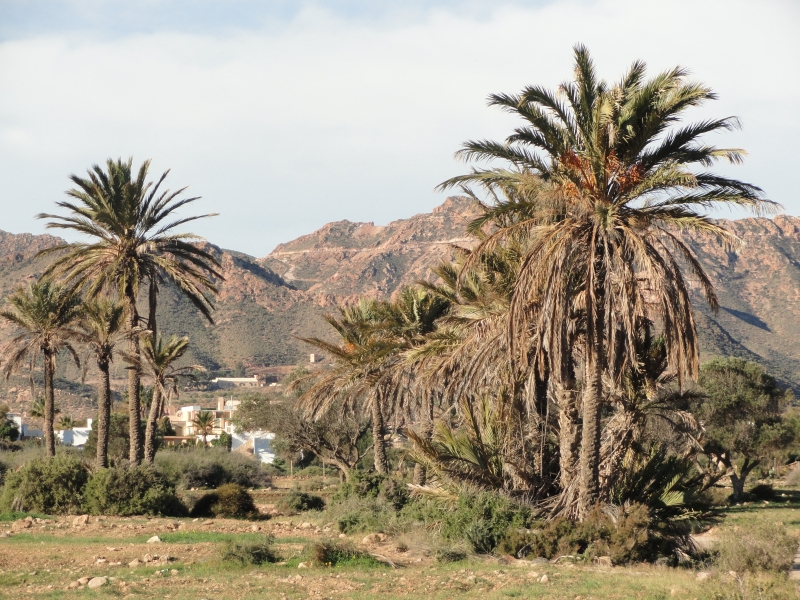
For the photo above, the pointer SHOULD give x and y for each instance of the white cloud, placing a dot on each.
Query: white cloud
(286, 127)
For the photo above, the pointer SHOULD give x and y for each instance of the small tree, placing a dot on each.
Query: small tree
(204, 424)
(333, 437)
(8, 428)
(742, 413)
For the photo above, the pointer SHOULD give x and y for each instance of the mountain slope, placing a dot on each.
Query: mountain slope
(265, 304)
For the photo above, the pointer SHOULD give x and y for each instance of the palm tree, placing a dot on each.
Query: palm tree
(602, 180)
(48, 315)
(204, 424)
(103, 327)
(159, 358)
(37, 408)
(66, 422)
(131, 225)
(360, 371)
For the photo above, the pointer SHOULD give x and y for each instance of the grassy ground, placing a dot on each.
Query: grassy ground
(42, 561)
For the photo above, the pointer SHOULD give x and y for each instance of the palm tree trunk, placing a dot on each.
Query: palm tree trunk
(378, 443)
(150, 433)
(136, 451)
(568, 433)
(153, 301)
(590, 436)
(420, 473)
(104, 415)
(49, 403)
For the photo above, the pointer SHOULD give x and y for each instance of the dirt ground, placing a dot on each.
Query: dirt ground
(57, 557)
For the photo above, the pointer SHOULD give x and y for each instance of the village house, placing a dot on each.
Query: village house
(235, 382)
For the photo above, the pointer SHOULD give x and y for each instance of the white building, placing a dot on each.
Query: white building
(77, 436)
(232, 382)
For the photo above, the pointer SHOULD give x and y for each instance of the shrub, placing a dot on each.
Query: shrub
(296, 501)
(756, 548)
(395, 492)
(256, 553)
(339, 554)
(625, 539)
(131, 491)
(444, 555)
(46, 485)
(360, 485)
(356, 515)
(763, 491)
(229, 500)
(748, 587)
(211, 468)
(483, 519)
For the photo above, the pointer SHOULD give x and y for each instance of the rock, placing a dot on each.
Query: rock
(303, 565)
(84, 580)
(374, 538)
(181, 526)
(29, 519)
(342, 536)
(605, 561)
(21, 524)
(209, 522)
(3, 535)
(100, 561)
(148, 558)
(703, 575)
(135, 563)
(154, 540)
(173, 571)
(73, 585)
(255, 527)
(534, 575)
(97, 582)
(544, 579)
(305, 525)
(80, 520)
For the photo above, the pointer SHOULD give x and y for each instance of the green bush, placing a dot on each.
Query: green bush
(444, 555)
(360, 485)
(46, 485)
(131, 491)
(756, 548)
(395, 492)
(229, 500)
(355, 515)
(625, 538)
(763, 491)
(296, 501)
(256, 553)
(339, 554)
(210, 468)
(483, 519)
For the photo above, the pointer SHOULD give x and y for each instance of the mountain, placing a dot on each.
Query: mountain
(266, 303)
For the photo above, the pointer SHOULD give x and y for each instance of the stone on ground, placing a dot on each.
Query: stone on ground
(97, 582)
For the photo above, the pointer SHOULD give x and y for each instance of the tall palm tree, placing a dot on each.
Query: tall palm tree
(360, 371)
(48, 315)
(131, 226)
(159, 358)
(604, 178)
(204, 424)
(104, 326)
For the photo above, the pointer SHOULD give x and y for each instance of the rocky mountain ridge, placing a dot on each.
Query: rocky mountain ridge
(266, 303)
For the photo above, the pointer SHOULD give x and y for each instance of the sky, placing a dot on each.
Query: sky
(286, 115)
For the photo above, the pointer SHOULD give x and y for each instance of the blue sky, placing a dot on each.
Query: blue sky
(286, 115)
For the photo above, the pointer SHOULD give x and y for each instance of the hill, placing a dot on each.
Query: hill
(266, 303)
